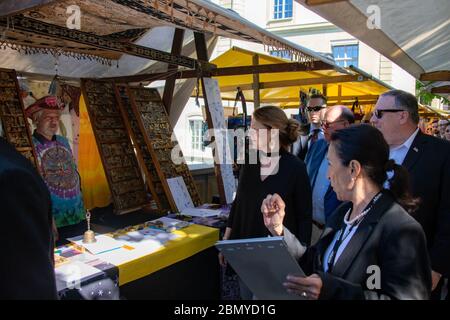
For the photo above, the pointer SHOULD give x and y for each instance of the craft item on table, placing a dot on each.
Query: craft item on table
(103, 244)
(60, 260)
(89, 235)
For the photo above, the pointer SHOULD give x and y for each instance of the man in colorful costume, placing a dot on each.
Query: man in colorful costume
(56, 162)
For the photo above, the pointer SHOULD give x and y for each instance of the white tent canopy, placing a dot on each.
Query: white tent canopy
(415, 34)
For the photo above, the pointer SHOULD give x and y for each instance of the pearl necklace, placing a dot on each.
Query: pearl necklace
(362, 214)
(351, 222)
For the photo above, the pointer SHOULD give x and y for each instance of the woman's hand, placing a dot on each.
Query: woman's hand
(273, 212)
(306, 287)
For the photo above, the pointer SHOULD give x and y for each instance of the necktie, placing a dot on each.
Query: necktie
(314, 136)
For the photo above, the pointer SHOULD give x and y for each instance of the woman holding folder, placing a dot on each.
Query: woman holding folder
(371, 248)
(272, 170)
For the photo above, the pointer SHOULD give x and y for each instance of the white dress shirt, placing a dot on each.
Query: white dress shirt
(398, 154)
(348, 234)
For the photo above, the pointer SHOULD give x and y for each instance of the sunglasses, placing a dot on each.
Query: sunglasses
(379, 113)
(315, 109)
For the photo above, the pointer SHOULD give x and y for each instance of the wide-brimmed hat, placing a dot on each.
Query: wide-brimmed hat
(48, 102)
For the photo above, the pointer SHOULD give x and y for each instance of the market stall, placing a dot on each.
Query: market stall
(93, 66)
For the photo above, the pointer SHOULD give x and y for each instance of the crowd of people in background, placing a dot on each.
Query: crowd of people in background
(344, 196)
(378, 196)
(439, 128)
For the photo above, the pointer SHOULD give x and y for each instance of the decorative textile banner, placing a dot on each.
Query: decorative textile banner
(96, 192)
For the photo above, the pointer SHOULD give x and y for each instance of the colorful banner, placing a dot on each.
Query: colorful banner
(94, 186)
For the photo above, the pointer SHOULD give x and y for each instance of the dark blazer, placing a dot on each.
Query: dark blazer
(428, 163)
(313, 160)
(26, 270)
(388, 237)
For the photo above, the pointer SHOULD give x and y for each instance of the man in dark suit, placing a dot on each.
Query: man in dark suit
(311, 132)
(26, 271)
(324, 198)
(427, 160)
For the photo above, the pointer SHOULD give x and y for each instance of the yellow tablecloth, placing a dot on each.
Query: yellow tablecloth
(192, 240)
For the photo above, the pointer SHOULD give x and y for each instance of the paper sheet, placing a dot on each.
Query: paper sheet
(198, 212)
(180, 193)
(221, 137)
(104, 244)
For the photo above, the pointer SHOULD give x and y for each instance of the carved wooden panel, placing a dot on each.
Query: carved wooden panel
(115, 148)
(14, 122)
(154, 121)
(143, 154)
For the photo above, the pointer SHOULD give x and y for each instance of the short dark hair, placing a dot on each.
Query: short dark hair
(406, 100)
(318, 96)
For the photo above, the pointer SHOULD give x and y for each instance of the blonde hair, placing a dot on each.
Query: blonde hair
(274, 118)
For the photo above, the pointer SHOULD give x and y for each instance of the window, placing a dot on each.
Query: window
(196, 130)
(285, 54)
(282, 9)
(345, 56)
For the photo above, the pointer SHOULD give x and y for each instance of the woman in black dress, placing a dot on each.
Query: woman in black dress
(273, 170)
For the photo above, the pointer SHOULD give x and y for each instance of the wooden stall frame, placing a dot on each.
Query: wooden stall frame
(153, 153)
(27, 127)
(140, 157)
(110, 182)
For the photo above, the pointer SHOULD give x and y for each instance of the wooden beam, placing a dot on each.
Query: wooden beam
(443, 75)
(286, 100)
(256, 84)
(269, 68)
(202, 53)
(324, 89)
(360, 97)
(293, 99)
(177, 46)
(309, 81)
(339, 94)
(33, 26)
(233, 88)
(12, 7)
(295, 83)
(333, 99)
(200, 46)
(229, 71)
(441, 89)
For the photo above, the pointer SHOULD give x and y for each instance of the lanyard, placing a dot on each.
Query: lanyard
(343, 235)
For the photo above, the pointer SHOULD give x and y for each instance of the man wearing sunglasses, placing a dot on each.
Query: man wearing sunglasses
(316, 107)
(427, 160)
(324, 199)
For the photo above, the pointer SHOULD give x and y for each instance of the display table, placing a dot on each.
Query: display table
(131, 263)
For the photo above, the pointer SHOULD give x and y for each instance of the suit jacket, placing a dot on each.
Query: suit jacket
(428, 164)
(26, 271)
(388, 237)
(300, 147)
(313, 160)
